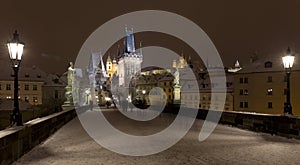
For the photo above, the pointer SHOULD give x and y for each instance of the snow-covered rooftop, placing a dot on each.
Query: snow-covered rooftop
(25, 73)
(54, 80)
(269, 63)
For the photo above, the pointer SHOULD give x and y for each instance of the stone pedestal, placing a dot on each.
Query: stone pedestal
(176, 94)
(68, 104)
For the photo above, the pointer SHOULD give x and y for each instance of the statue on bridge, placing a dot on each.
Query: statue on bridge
(69, 87)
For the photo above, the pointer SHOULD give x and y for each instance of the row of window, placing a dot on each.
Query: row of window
(8, 87)
(243, 91)
(246, 105)
(27, 75)
(165, 83)
(190, 97)
(244, 80)
(170, 97)
(34, 99)
(228, 84)
(269, 91)
(170, 90)
(26, 98)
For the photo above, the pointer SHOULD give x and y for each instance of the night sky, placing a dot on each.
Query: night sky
(54, 31)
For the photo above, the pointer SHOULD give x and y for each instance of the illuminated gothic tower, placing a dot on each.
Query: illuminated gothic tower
(130, 61)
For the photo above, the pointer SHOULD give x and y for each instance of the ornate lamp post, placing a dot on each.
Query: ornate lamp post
(288, 61)
(15, 49)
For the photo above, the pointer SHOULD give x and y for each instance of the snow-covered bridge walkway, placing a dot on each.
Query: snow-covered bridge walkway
(227, 145)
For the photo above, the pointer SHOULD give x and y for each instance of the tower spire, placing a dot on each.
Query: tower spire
(129, 42)
(237, 64)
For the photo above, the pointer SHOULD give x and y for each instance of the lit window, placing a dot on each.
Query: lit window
(35, 99)
(26, 99)
(270, 91)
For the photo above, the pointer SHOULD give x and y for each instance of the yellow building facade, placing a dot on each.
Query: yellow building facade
(203, 99)
(30, 92)
(148, 80)
(265, 92)
(34, 85)
(261, 87)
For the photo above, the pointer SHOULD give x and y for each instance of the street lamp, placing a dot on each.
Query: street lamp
(288, 61)
(15, 49)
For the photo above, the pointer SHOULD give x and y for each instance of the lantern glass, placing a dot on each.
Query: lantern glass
(15, 50)
(288, 61)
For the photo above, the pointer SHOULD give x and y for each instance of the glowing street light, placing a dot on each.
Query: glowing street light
(288, 61)
(15, 49)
